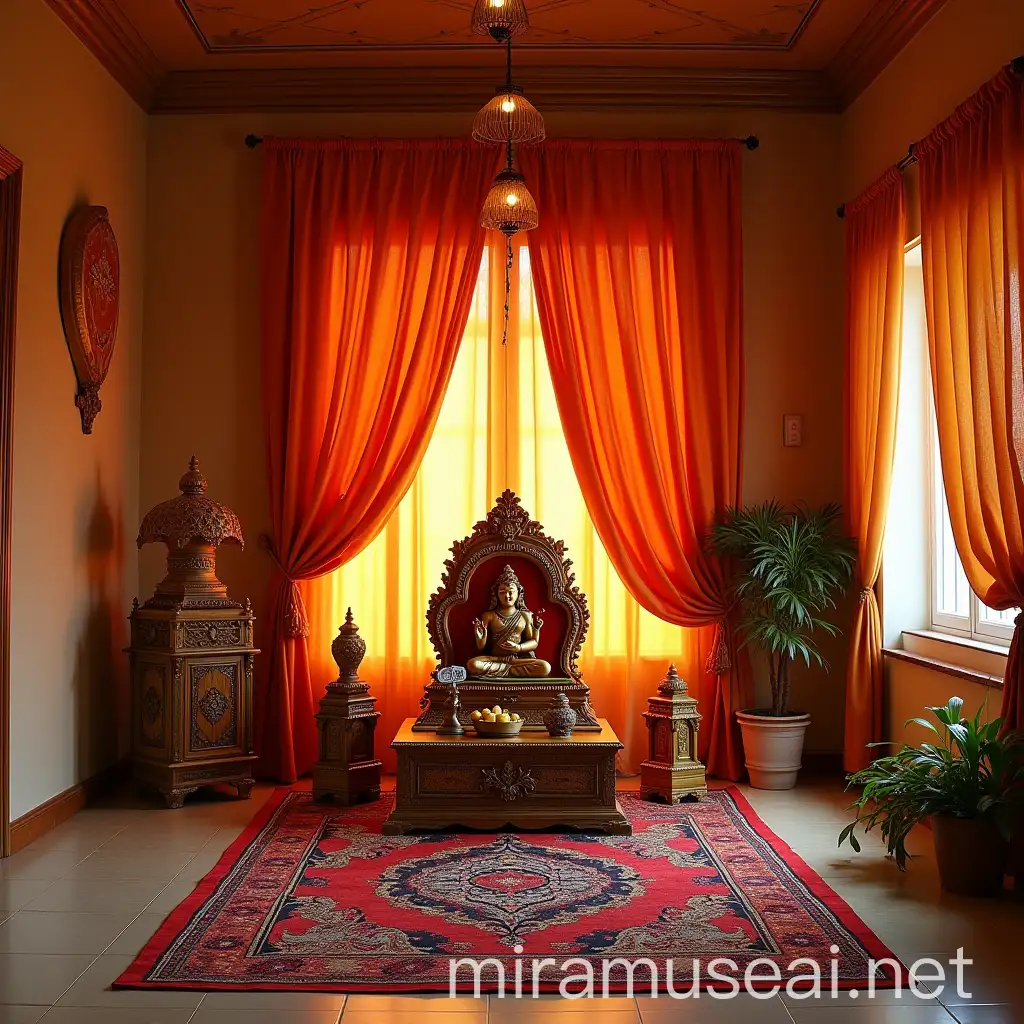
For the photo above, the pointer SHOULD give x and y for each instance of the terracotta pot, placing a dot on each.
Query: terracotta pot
(772, 747)
(971, 854)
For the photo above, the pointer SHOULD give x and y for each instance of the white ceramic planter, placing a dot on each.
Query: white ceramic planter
(772, 748)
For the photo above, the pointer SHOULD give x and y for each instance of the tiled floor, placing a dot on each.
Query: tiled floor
(79, 904)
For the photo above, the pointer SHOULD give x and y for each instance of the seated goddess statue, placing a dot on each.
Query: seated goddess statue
(508, 634)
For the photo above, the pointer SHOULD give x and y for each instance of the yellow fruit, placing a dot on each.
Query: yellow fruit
(476, 716)
(514, 717)
(488, 716)
(505, 717)
(496, 709)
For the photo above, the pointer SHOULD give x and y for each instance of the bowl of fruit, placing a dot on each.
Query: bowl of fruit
(496, 722)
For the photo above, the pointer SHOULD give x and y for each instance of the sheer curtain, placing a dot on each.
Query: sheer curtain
(498, 427)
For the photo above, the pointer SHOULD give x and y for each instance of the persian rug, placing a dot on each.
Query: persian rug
(313, 898)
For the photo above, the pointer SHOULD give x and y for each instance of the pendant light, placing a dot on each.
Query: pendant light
(510, 119)
(509, 116)
(500, 19)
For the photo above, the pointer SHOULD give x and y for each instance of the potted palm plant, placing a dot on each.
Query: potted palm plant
(969, 783)
(790, 566)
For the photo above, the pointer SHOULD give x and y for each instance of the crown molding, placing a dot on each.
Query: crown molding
(884, 32)
(103, 28)
(431, 89)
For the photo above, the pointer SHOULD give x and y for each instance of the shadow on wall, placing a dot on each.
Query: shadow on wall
(100, 680)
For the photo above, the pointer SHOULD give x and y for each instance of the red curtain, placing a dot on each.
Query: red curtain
(637, 266)
(875, 226)
(972, 236)
(370, 254)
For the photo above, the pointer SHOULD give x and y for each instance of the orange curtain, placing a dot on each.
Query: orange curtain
(875, 227)
(972, 231)
(370, 252)
(637, 266)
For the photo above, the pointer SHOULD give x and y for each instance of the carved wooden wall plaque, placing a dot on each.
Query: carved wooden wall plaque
(90, 284)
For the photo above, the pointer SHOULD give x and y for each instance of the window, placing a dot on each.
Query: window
(498, 427)
(955, 608)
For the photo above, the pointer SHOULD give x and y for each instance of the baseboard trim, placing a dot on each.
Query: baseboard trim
(822, 763)
(47, 816)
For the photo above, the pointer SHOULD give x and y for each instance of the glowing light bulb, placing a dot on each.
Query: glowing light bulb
(511, 199)
(508, 105)
(497, 3)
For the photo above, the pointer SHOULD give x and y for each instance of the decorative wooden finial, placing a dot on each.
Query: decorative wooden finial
(348, 649)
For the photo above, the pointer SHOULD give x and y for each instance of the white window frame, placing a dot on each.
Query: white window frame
(972, 626)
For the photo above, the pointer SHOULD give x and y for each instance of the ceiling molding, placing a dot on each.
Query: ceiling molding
(876, 41)
(432, 89)
(113, 40)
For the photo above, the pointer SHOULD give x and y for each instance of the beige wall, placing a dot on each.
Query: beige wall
(201, 375)
(959, 50)
(74, 568)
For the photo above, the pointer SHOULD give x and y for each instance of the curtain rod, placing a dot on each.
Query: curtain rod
(751, 141)
(1016, 66)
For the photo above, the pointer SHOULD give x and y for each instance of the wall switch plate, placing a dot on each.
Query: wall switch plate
(792, 431)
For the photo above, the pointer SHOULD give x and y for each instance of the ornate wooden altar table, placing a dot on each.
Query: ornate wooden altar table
(533, 781)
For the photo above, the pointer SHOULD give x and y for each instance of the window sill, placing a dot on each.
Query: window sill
(945, 667)
(1001, 650)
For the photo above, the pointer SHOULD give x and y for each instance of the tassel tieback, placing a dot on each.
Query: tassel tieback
(296, 621)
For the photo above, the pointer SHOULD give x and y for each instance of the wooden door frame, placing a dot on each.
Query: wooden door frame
(10, 223)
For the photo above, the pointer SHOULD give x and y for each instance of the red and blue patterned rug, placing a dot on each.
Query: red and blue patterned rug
(313, 898)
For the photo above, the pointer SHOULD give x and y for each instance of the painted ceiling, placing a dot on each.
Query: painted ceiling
(183, 34)
(299, 24)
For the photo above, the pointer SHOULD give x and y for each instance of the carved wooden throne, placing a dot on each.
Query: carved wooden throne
(508, 536)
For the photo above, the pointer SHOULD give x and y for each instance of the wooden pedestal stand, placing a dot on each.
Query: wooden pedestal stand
(347, 770)
(672, 770)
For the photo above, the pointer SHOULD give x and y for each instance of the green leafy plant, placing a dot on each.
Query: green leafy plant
(790, 566)
(971, 772)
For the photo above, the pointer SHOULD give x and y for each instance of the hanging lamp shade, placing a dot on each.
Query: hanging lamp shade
(500, 19)
(509, 207)
(509, 117)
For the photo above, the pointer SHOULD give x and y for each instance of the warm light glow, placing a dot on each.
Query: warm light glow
(508, 105)
(511, 199)
(497, 3)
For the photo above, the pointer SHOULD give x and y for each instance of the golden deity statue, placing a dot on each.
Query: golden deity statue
(508, 634)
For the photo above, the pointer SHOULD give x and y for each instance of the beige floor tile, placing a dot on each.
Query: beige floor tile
(93, 989)
(37, 932)
(171, 895)
(30, 978)
(202, 1016)
(15, 893)
(511, 1009)
(133, 939)
(999, 1013)
(872, 1015)
(21, 1014)
(109, 1015)
(707, 1010)
(92, 896)
(102, 866)
(419, 1004)
(411, 1017)
(272, 1001)
(48, 865)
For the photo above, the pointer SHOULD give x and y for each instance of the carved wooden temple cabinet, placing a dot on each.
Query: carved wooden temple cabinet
(347, 770)
(672, 771)
(191, 656)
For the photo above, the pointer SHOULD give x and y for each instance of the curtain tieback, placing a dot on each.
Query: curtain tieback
(865, 593)
(296, 621)
(719, 660)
